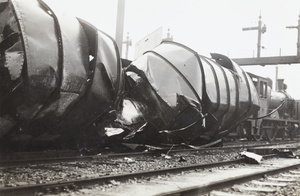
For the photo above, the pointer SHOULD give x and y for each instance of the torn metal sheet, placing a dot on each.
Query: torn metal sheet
(251, 157)
(14, 60)
(54, 75)
(188, 98)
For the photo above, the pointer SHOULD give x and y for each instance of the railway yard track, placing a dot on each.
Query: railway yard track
(175, 172)
(19, 159)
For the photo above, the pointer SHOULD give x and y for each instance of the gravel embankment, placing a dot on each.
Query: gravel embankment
(37, 174)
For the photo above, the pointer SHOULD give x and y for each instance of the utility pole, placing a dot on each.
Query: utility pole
(128, 43)
(120, 24)
(260, 30)
(298, 28)
(276, 78)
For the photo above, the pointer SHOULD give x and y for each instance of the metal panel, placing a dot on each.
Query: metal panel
(186, 61)
(148, 43)
(69, 77)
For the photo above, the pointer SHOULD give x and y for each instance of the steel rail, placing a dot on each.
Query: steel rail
(61, 185)
(22, 162)
(32, 189)
(197, 190)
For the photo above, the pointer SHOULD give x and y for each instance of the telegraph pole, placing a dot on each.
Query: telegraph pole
(128, 43)
(120, 24)
(275, 60)
(298, 28)
(260, 31)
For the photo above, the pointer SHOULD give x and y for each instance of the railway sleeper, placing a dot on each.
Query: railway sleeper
(57, 188)
(268, 185)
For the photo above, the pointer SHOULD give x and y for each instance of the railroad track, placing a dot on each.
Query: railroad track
(245, 183)
(61, 185)
(207, 187)
(268, 185)
(14, 160)
(114, 179)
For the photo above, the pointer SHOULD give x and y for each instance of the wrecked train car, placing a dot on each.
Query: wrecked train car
(188, 98)
(60, 77)
(58, 74)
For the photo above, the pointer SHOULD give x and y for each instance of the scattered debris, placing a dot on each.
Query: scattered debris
(113, 131)
(114, 183)
(251, 157)
(166, 156)
(285, 153)
(129, 160)
(182, 159)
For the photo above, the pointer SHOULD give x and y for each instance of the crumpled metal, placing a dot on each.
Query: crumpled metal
(60, 76)
(188, 98)
(58, 73)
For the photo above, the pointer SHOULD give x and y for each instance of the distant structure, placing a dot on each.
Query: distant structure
(298, 28)
(128, 43)
(274, 60)
(260, 31)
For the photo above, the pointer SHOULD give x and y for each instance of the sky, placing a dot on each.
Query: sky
(207, 26)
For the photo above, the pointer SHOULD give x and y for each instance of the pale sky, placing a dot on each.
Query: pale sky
(207, 26)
